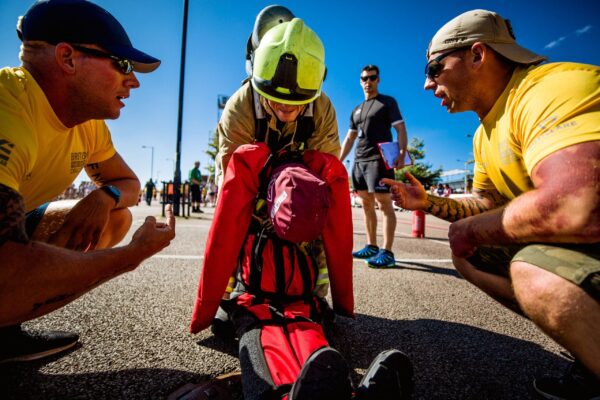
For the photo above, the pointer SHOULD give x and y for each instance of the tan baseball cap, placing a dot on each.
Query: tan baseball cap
(482, 26)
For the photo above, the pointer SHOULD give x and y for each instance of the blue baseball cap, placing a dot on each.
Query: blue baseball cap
(81, 22)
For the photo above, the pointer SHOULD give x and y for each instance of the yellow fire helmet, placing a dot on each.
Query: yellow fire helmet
(289, 64)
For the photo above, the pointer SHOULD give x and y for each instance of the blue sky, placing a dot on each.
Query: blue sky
(392, 34)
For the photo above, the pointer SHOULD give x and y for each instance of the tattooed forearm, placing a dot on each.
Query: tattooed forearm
(12, 216)
(94, 173)
(454, 209)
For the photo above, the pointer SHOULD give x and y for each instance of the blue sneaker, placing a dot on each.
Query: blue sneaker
(383, 259)
(366, 252)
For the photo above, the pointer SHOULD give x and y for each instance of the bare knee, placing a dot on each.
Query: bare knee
(462, 267)
(118, 226)
(384, 200)
(53, 218)
(120, 220)
(543, 296)
(368, 200)
(465, 269)
(387, 209)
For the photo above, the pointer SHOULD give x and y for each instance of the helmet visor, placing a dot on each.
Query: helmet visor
(284, 87)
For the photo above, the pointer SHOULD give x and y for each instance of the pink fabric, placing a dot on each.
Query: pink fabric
(297, 202)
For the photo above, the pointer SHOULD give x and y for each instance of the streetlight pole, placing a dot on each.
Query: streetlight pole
(177, 177)
(151, 161)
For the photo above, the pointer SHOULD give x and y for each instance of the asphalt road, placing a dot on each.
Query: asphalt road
(135, 342)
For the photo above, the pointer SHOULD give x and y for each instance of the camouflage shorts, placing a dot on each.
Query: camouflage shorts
(579, 264)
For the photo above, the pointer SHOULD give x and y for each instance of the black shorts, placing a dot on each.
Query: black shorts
(195, 189)
(33, 218)
(367, 174)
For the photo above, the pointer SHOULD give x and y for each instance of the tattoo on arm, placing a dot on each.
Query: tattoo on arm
(454, 209)
(12, 216)
(94, 173)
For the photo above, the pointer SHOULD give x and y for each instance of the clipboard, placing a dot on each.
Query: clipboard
(389, 152)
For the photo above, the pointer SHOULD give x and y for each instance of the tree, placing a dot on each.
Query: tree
(213, 149)
(423, 172)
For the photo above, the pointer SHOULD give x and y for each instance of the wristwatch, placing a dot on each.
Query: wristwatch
(112, 192)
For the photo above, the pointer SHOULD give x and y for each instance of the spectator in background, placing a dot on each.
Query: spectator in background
(447, 190)
(204, 193)
(149, 189)
(469, 188)
(440, 190)
(212, 189)
(195, 178)
(371, 123)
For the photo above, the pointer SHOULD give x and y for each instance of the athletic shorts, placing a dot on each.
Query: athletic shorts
(33, 218)
(367, 174)
(195, 189)
(579, 264)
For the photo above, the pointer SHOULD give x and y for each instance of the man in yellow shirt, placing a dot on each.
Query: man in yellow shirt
(77, 68)
(529, 236)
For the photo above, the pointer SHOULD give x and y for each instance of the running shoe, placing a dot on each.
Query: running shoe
(366, 252)
(383, 259)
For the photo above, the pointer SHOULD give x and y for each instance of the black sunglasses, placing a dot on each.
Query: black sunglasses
(371, 78)
(123, 64)
(433, 69)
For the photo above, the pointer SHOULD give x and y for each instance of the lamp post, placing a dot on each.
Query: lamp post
(177, 173)
(151, 161)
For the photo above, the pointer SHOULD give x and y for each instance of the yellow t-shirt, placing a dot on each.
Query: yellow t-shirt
(542, 110)
(39, 156)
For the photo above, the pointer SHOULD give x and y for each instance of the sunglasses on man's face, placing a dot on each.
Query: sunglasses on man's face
(371, 78)
(433, 69)
(124, 65)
